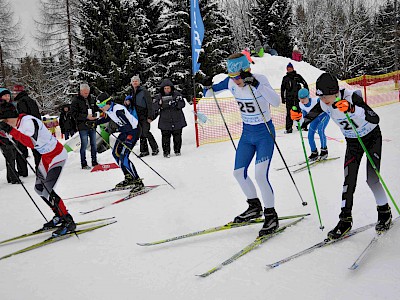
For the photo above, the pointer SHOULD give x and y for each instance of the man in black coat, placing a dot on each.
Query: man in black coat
(292, 82)
(83, 110)
(25, 105)
(143, 104)
(7, 147)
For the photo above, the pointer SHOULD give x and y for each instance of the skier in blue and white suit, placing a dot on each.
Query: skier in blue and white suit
(318, 124)
(255, 138)
(129, 133)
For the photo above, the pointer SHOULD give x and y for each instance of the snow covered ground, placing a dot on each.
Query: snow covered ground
(107, 263)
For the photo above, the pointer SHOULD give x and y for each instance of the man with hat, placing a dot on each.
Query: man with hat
(31, 132)
(26, 105)
(337, 103)
(254, 95)
(292, 82)
(142, 102)
(6, 146)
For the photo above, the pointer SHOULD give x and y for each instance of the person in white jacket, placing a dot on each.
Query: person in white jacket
(253, 94)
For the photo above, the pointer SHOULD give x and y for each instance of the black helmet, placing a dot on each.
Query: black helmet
(8, 110)
(327, 84)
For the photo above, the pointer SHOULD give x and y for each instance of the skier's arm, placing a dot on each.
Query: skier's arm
(266, 90)
(313, 113)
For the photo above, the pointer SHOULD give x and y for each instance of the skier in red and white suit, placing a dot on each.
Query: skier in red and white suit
(31, 132)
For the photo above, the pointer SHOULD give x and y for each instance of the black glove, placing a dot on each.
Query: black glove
(173, 103)
(5, 127)
(283, 101)
(207, 82)
(248, 78)
(304, 127)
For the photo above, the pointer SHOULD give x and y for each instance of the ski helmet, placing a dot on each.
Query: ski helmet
(327, 84)
(8, 110)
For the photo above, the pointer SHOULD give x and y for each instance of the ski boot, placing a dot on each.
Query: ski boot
(52, 223)
(271, 222)
(137, 187)
(314, 156)
(128, 181)
(324, 153)
(384, 218)
(253, 212)
(343, 227)
(68, 225)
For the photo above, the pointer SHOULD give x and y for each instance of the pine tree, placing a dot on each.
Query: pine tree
(385, 40)
(109, 49)
(217, 39)
(147, 15)
(175, 46)
(271, 21)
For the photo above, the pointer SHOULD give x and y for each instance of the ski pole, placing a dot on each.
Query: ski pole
(304, 203)
(223, 119)
(22, 184)
(309, 172)
(123, 144)
(370, 160)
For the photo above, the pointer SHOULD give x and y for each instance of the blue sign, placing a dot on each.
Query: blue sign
(197, 33)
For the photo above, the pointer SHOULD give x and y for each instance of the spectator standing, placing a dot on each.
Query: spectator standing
(83, 110)
(172, 120)
(6, 146)
(26, 105)
(296, 54)
(67, 122)
(143, 104)
(292, 82)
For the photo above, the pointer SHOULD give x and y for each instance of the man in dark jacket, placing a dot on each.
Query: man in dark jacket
(292, 82)
(25, 105)
(83, 110)
(67, 122)
(6, 146)
(143, 104)
(172, 120)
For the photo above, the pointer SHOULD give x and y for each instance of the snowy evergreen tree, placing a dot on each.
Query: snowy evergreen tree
(175, 46)
(217, 38)
(385, 38)
(271, 21)
(109, 50)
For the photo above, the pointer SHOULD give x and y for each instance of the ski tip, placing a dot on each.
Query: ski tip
(354, 267)
(143, 244)
(272, 266)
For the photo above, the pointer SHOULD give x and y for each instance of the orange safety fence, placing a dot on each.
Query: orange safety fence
(210, 126)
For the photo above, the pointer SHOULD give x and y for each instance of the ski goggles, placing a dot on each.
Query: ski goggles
(102, 103)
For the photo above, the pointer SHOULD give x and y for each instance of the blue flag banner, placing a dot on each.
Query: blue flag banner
(197, 33)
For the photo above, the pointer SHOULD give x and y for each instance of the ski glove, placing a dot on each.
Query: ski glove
(207, 82)
(295, 116)
(5, 127)
(345, 106)
(248, 78)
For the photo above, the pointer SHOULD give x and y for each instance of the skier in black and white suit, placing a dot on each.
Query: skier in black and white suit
(336, 103)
